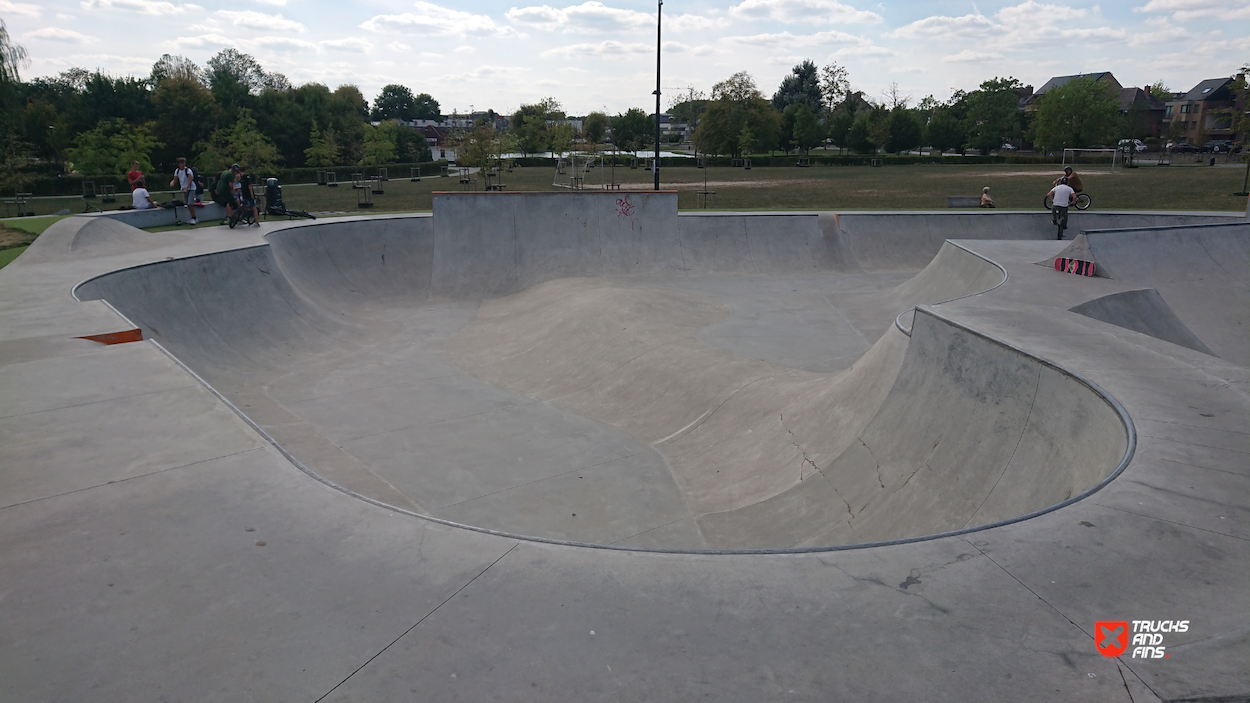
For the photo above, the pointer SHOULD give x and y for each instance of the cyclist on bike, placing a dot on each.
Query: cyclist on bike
(1062, 196)
(1073, 180)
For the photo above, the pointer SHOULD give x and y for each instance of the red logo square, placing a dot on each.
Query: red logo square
(1111, 637)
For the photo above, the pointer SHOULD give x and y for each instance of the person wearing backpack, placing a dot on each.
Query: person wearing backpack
(185, 183)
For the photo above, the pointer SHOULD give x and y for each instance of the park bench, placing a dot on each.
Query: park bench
(963, 201)
(20, 200)
(803, 163)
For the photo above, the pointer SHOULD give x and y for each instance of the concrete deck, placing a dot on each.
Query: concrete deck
(232, 510)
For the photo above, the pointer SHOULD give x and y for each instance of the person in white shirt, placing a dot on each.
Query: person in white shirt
(185, 182)
(141, 198)
(1062, 195)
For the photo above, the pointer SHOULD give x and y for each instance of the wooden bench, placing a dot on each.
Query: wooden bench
(20, 200)
(963, 201)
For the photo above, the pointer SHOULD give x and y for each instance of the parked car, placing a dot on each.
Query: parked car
(1218, 146)
(1008, 147)
(1184, 148)
(1136, 145)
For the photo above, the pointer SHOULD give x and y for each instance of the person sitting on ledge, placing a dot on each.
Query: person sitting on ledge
(986, 200)
(141, 198)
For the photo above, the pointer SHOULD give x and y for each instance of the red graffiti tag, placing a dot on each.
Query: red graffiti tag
(624, 208)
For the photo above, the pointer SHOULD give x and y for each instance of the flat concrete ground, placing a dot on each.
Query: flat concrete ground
(154, 543)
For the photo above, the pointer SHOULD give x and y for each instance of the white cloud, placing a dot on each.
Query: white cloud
(1188, 10)
(199, 41)
(59, 34)
(603, 48)
(464, 50)
(592, 17)
(802, 11)
(939, 26)
(354, 45)
(867, 51)
(440, 21)
(143, 7)
(282, 44)
(1014, 29)
(691, 23)
(398, 47)
(786, 39)
(19, 8)
(261, 20)
(970, 56)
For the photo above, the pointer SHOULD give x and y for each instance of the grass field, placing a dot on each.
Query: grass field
(915, 187)
(16, 235)
(919, 187)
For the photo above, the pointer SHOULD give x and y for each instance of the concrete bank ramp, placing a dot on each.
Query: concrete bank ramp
(1202, 271)
(85, 237)
(940, 431)
(1142, 311)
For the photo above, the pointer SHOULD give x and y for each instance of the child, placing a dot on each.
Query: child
(986, 200)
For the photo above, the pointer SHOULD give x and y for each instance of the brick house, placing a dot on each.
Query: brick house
(1143, 113)
(1202, 114)
(1029, 102)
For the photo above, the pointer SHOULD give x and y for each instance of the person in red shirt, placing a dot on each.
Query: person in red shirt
(133, 176)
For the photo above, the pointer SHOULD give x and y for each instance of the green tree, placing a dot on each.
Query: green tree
(111, 146)
(185, 114)
(808, 130)
(839, 124)
(395, 102)
(324, 150)
(425, 107)
(234, 78)
(906, 131)
(993, 114)
(596, 127)
(1077, 114)
(174, 66)
(12, 59)
(379, 145)
(632, 130)
(240, 143)
(801, 87)
(945, 131)
(835, 84)
(528, 125)
(737, 104)
(858, 135)
(480, 146)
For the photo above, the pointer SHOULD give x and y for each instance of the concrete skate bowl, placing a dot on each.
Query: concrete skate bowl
(587, 369)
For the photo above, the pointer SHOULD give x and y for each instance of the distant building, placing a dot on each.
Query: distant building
(1143, 113)
(1203, 114)
(1029, 102)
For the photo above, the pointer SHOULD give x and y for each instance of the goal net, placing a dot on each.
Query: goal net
(1092, 158)
(579, 171)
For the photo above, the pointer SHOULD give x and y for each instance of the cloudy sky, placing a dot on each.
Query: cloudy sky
(601, 55)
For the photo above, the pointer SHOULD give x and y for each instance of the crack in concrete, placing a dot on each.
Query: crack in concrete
(850, 513)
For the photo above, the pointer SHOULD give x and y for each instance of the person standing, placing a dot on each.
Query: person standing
(1062, 196)
(224, 194)
(185, 182)
(134, 175)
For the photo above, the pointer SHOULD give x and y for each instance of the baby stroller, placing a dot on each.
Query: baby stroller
(274, 205)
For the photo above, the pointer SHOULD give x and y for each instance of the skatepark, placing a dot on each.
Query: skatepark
(579, 446)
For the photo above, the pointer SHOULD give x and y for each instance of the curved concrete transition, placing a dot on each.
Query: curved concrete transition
(577, 446)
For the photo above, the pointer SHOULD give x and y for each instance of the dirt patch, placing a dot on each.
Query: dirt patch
(10, 238)
(666, 185)
(1032, 174)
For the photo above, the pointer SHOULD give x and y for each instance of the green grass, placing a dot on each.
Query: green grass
(31, 225)
(8, 255)
(918, 187)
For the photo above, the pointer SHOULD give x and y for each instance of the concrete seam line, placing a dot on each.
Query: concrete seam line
(898, 320)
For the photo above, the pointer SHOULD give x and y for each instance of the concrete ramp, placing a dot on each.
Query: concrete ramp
(534, 365)
(1142, 311)
(86, 237)
(1203, 271)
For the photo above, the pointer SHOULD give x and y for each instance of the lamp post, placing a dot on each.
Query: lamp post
(656, 166)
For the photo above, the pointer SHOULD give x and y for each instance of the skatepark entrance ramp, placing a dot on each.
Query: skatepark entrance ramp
(593, 368)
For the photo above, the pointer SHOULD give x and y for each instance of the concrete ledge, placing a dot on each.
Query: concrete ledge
(161, 217)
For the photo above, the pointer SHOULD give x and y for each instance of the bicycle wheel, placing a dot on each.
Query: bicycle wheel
(234, 219)
(1082, 201)
(1047, 202)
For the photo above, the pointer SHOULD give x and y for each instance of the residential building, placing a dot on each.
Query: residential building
(1143, 112)
(1204, 113)
(1029, 102)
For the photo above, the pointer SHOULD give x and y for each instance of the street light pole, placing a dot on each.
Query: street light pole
(656, 167)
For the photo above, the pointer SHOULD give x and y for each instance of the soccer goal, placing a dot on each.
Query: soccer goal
(579, 171)
(1092, 158)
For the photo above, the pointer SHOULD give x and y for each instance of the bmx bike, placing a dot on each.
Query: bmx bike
(242, 215)
(1082, 201)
